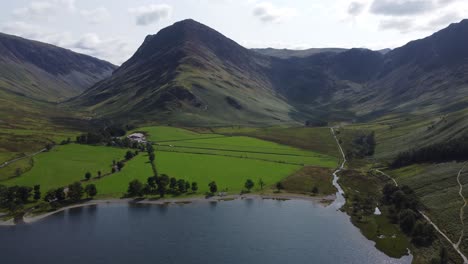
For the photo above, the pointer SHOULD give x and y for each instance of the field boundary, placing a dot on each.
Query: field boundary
(6, 163)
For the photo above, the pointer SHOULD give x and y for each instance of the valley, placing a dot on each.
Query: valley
(375, 140)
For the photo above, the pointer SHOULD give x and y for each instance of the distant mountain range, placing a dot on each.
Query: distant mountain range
(191, 74)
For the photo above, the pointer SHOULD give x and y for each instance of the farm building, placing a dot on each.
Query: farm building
(138, 137)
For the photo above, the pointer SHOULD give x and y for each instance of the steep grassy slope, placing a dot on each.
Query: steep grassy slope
(192, 75)
(288, 53)
(42, 71)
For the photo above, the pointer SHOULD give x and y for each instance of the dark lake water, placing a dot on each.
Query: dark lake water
(240, 231)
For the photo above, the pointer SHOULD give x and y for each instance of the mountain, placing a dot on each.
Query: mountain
(45, 72)
(424, 76)
(190, 74)
(288, 53)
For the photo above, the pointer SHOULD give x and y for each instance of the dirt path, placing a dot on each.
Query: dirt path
(17, 159)
(454, 245)
(462, 209)
(388, 176)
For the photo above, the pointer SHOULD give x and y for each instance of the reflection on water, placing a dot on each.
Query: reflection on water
(240, 231)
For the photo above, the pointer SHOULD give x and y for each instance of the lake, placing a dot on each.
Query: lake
(239, 231)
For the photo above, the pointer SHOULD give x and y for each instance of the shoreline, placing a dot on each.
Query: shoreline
(30, 219)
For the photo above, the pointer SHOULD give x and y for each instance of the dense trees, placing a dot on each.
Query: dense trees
(363, 145)
(75, 191)
(129, 155)
(135, 189)
(161, 185)
(91, 190)
(14, 197)
(403, 209)
(455, 149)
(37, 192)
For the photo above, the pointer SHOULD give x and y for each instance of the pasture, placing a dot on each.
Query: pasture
(181, 153)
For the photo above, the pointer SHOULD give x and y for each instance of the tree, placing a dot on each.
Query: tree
(23, 193)
(187, 186)
(407, 220)
(315, 190)
(249, 184)
(120, 165)
(181, 185)
(151, 181)
(88, 176)
(162, 183)
(194, 187)
(91, 190)
(279, 186)
(151, 157)
(75, 191)
(135, 188)
(99, 173)
(213, 187)
(60, 194)
(261, 183)
(149, 148)
(113, 170)
(50, 196)
(37, 192)
(173, 183)
(129, 155)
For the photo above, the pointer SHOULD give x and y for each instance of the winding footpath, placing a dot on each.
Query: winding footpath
(462, 209)
(454, 245)
(6, 163)
(340, 200)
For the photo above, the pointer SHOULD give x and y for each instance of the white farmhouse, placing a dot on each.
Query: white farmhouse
(138, 137)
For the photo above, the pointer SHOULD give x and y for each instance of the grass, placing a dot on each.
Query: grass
(229, 173)
(304, 180)
(317, 139)
(229, 161)
(116, 185)
(166, 133)
(66, 164)
(387, 236)
(437, 188)
(251, 148)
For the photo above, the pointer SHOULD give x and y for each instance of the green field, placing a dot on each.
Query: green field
(183, 154)
(66, 164)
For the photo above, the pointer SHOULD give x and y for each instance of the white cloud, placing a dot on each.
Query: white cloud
(267, 12)
(96, 16)
(146, 15)
(356, 8)
(402, 25)
(38, 10)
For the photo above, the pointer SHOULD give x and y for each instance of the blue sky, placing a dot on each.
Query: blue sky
(113, 29)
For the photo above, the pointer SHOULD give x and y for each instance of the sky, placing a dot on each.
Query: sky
(113, 29)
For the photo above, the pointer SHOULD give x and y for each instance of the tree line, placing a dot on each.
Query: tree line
(15, 197)
(362, 145)
(452, 150)
(404, 211)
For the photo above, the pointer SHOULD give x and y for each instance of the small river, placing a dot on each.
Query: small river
(239, 231)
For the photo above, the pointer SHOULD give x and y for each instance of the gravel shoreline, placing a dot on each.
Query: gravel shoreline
(28, 219)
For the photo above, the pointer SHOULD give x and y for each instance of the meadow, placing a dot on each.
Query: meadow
(181, 153)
